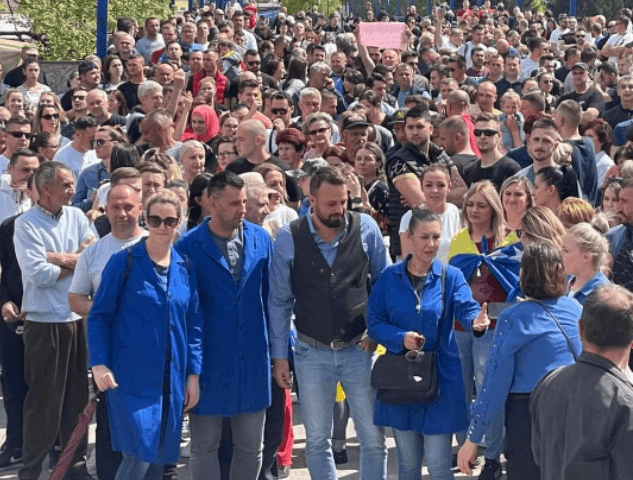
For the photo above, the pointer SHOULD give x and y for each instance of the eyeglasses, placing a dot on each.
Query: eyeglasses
(319, 131)
(279, 111)
(19, 134)
(488, 132)
(50, 116)
(99, 143)
(226, 154)
(155, 221)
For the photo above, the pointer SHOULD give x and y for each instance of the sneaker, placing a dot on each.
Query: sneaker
(491, 470)
(340, 457)
(10, 456)
(283, 471)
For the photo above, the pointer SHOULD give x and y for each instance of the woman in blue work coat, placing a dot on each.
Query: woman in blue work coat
(145, 340)
(405, 312)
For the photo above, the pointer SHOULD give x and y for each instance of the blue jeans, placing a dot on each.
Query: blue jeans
(474, 353)
(413, 447)
(318, 371)
(133, 469)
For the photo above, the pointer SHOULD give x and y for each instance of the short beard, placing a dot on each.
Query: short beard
(328, 222)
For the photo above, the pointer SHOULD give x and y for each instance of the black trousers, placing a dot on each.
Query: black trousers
(55, 368)
(518, 451)
(108, 460)
(14, 386)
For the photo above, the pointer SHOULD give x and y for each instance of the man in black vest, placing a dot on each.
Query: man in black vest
(339, 254)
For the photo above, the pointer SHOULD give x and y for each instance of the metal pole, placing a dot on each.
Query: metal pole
(102, 28)
(572, 7)
(429, 6)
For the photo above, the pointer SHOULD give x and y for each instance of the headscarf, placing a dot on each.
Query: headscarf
(210, 120)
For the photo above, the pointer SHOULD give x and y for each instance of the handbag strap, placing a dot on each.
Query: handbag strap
(569, 344)
(440, 320)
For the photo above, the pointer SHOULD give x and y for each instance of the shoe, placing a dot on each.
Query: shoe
(491, 470)
(53, 457)
(340, 457)
(10, 456)
(283, 471)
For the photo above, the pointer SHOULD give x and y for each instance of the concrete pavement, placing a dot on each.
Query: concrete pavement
(299, 471)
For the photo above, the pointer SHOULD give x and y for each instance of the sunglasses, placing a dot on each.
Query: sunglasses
(488, 132)
(99, 143)
(279, 111)
(50, 116)
(19, 134)
(155, 221)
(318, 131)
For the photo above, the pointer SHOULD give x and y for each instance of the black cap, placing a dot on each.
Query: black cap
(354, 121)
(85, 67)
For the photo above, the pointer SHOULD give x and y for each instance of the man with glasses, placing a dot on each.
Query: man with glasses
(616, 43)
(253, 63)
(493, 164)
(17, 134)
(79, 154)
(281, 110)
(80, 109)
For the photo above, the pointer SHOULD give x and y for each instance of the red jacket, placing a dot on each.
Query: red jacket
(220, 84)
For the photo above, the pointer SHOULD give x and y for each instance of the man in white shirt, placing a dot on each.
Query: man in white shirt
(13, 186)
(529, 64)
(123, 209)
(79, 154)
(615, 44)
(467, 48)
(152, 40)
(17, 133)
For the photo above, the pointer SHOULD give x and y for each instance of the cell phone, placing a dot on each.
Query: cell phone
(495, 309)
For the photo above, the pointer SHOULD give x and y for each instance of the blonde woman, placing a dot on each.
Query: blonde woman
(584, 253)
(516, 198)
(489, 261)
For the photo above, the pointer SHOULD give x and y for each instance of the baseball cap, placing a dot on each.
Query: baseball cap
(354, 121)
(582, 65)
(308, 168)
(398, 116)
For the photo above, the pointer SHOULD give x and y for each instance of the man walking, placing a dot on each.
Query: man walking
(321, 269)
(231, 258)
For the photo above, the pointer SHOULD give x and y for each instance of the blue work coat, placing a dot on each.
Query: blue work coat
(134, 327)
(393, 311)
(236, 372)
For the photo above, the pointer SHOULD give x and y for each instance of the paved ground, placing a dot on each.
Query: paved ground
(298, 472)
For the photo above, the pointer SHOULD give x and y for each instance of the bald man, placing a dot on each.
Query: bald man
(97, 103)
(123, 209)
(251, 148)
(458, 103)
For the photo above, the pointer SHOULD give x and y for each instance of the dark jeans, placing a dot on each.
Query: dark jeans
(518, 451)
(14, 386)
(55, 369)
(273, 433)
(108, 460)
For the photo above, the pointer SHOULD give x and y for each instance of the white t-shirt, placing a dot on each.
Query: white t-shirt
(282, 216)
(4, 163)
(618, 41)
(603, 164)
(527, 67)
(92, 261)
(451, 221)
(76, 160)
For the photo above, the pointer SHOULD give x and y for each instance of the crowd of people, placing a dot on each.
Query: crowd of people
(228, 208)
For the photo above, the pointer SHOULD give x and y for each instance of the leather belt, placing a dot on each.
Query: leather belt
(336, 344)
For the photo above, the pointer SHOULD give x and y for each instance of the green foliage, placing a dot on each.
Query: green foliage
(71, 25)
(325, 6)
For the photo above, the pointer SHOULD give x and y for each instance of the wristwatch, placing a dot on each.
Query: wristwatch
(357, 200)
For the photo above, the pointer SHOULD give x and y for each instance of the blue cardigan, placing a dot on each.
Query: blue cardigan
(236, 371)
(134, 327)
(392, 312)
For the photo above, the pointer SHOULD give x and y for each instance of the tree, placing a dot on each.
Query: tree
(325, 6)
(70, 25)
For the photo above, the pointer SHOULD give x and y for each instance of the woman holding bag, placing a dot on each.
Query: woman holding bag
(406, 313)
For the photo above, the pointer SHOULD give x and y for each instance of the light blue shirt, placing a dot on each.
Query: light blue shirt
(37, 232)
(281, 296)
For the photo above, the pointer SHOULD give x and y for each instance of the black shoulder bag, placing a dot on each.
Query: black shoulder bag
(411, 378)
